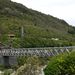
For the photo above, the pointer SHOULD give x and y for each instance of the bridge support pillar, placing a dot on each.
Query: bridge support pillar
(8, 61)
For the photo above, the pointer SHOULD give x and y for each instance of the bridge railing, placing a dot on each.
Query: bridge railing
(47, 51)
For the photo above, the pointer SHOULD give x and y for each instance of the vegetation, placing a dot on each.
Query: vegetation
(61, 65)
(39, 28)
(2, 67)
(31, 60)
(8, 72)
(30, 65)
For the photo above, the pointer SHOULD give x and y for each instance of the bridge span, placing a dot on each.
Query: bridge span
(47, 51)
(8, 56)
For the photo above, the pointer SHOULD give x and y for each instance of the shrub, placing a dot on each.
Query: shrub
(8, 72)
(61, 65)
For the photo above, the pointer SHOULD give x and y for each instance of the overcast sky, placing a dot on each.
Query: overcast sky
(63, 9)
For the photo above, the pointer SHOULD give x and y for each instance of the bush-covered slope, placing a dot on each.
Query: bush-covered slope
(61, 65)
(39, 28)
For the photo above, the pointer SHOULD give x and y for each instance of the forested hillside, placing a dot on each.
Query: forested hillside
(40, 29)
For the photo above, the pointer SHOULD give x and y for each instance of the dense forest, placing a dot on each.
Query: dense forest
(39, 29)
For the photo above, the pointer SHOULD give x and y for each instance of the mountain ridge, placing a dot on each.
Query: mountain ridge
(39, 28)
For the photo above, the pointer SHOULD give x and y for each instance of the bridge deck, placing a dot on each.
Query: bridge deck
(48, 51)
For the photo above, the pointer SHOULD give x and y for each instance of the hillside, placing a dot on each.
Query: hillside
(39, 29)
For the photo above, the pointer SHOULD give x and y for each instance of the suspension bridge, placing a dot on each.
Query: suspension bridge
(47, 51)
(8, 55)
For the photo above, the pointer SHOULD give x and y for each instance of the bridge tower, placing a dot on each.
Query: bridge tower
(22, 35)
(7, 61)
(4, 60)
(22, 31)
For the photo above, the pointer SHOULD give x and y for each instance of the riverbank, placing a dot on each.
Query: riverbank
(23, 70)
